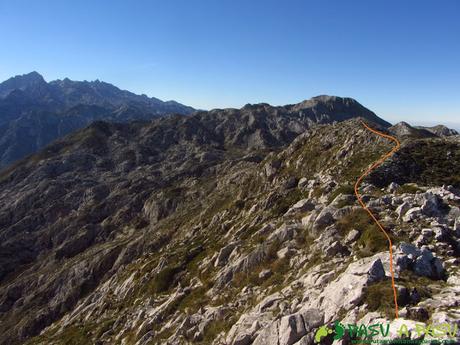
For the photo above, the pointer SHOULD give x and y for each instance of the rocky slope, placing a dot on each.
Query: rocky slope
(225, 227)
(33, 112)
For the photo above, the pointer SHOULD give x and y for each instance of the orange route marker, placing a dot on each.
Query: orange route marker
(358, 196)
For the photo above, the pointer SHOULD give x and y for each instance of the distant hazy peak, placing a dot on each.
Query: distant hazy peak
(33, 112)
(343, 107)
(21, 82)
(403, 129)
(31, 76)
(440, 130)
(326, 100)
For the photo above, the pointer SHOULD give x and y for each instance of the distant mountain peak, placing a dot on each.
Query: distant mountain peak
(29, 78)
(326, 98)
(343, 107)
(402, 129)
(66, 93)
(34, 74)
(21, 82)
(439, 130)
(31, 75)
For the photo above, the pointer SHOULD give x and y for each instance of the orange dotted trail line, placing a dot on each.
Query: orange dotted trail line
(358, 196)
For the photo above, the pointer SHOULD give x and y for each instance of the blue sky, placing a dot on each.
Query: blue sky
(399, 58)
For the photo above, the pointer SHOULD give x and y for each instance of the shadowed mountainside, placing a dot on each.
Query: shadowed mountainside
(33, 112)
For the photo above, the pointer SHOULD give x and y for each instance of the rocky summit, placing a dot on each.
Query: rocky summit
(229, 227)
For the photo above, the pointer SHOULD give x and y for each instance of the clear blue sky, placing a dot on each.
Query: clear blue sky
(399, 58)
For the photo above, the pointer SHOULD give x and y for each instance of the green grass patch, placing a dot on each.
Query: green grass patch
(379, 297)
(194, 300)
(422, 284)
(164, 279)
(183, 259)
(372, 240)
(72, 335)
(284, 202)
(217, 327)
(409, 188)
(346, 189)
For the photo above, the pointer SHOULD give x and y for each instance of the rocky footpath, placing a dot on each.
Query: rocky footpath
(192, 236)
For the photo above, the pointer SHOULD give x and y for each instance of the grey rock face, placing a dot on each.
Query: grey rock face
(284, 233)
(303, 205)
(224, 253)
(269, 335)
(243, 264)
(348, 289)
(393, 187)
(431, 204)
(312, 318)
(271, 168)
(324, 219)
(285, 253)
(412, 214)
(264, 274)
(336, 248)
(291, 329)
(421, 261)
(243, 339)
(352, 236)
(269, 301)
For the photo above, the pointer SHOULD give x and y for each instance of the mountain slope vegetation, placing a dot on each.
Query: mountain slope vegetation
(219, 228)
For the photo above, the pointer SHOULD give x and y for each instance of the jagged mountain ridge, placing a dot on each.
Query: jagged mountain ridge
(66, 93)
(157, 154)
(33, 112)
(119, 213)
(440, 130)
(206, 205)
(31, 81)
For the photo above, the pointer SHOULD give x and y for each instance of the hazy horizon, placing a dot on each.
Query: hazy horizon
(450, 124)
(399, 59)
